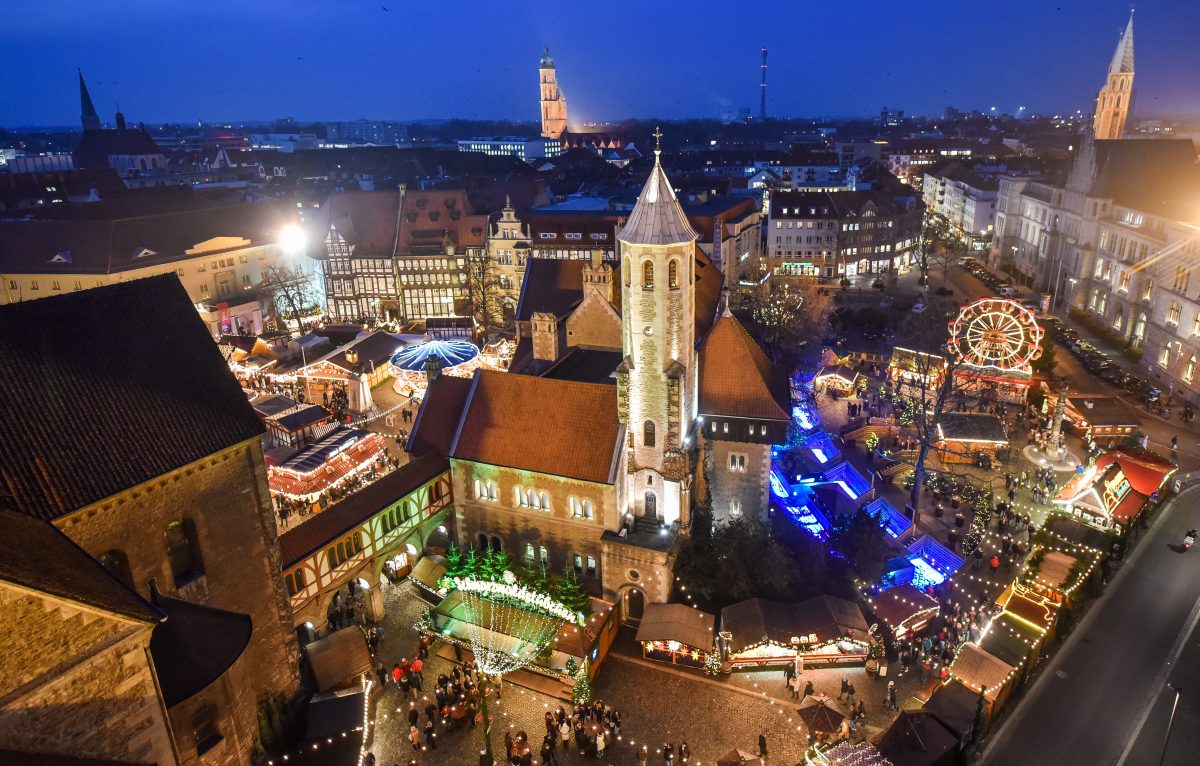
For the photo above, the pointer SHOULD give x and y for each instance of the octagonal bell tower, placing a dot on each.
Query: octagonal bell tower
(656, 381)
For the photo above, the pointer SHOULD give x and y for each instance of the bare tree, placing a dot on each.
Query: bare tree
(940, 247)
(927, 383)
(485, 293)
(288, 290)
(785, 315)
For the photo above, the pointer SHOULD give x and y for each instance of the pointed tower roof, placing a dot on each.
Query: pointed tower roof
(657, 218)
(736, 377)
(1122, 62)
(547, 62)
(87, 110)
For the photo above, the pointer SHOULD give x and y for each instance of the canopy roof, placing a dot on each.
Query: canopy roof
(826, 618)
(339, 658)
(677, 622)
(978, 670)
(448, 353)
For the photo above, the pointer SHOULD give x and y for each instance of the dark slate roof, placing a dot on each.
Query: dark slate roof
(366, 220)
(1159, 177)
(554, 427)
(955, 706)
(736, 377)
(551, 285)
(107, 245)
(586, 365)
(437, 420)
(298, 543)
(301, 416)
(35, 555)
(194, 646)
(89, 415)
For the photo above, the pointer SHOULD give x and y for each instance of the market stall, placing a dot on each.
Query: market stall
(820, 631)
(904, 609)
(1113, 490)
(982, 673)
(838, 378)
(966, 437)
(1102, 419)
(676, 633)
(339, 456)
(917, 738)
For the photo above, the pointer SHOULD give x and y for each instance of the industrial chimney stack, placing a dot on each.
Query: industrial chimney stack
(762, 107)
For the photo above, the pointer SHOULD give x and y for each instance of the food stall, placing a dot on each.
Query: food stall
(820, 631)
(676, 633)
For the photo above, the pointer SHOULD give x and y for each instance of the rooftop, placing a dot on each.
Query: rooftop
(144, 394)
(736, 377)
(657, 218)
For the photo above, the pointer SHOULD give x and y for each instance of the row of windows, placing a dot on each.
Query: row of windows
(573, 236)
(762, 430)
(343, 550)
(672, 275)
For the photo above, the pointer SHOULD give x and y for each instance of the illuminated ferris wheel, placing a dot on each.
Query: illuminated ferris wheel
(997, 333)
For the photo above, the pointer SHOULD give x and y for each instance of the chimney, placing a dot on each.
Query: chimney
(598, 274)
(545, 336)
(352, 356)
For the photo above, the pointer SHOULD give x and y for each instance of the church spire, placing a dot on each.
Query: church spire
(657, 218)
(87, 110)
(1114, 100)
(1122, 62)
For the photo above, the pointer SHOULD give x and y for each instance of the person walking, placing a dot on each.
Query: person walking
(789, 672)
(413, 714)
(414, 671)
(994, 563)
(414, 737)
(794, 685)
(430, 736)
(850, 694)
(844, 687)
(808, 690)
(890, 699)
(684, 753)
(762, 746)
(600, 738)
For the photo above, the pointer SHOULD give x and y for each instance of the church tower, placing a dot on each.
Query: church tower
(656, 381)
(1112, 104)
(554, 104)
(87, 110)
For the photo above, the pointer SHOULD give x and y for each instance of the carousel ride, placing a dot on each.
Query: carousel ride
(411, 365)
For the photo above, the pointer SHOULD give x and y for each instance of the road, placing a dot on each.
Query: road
(1102, 699)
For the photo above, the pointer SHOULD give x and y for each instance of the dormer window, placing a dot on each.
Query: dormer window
(573, 235)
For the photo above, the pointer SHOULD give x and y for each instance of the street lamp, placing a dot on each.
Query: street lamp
(292, 239)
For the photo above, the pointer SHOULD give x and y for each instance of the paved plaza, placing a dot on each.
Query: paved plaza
(658, 704)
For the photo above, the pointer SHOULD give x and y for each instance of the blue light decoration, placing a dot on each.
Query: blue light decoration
(450, 353)
(924, 573)
(800, 506)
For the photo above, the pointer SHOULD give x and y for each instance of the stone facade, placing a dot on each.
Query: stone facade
(656, 384)
(738, 478)
(595, 322)
(401, 529)
(507, 251)
(554, 103)
(225, 502)
(76, 681)
(563, 530)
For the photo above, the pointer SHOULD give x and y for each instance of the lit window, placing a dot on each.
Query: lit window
(529, 553)
(673, 275)
(1164, 355)
(1190, 370)
(1173, 312)
(545, 501)
(648, 433)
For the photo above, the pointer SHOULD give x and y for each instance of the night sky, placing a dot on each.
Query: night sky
(169, 60)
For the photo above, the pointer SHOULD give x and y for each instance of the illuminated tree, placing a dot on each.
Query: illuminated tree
(288, 290)
(785, 315)
(940, 246)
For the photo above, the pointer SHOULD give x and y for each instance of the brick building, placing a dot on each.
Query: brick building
(139, 446)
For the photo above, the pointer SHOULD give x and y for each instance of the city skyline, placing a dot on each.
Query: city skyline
(306, 70)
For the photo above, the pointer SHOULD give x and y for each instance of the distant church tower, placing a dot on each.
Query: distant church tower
(554, 103)
(1112, 104)
(87, 110)
(656, 381)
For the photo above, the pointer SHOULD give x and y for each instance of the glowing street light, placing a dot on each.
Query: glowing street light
(292, 239)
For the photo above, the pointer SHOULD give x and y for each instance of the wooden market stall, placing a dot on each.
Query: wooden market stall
(980, 672)
(839, 378)
(676, 633)
(822, 631)
(963, 437)
(904, 609)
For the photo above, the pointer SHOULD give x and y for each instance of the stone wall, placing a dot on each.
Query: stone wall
(515, 526)
(225, 497)
(594, 323)
(78, 682)
(749, 486)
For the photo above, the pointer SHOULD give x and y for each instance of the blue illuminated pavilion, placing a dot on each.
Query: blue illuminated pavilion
(413, 360)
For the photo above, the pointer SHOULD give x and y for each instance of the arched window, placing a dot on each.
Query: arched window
(493, 490)
(648, 433)
(518, 496)
(495, 544)
(483, 542)
(479, 493)
(545, 500)
(531, 498)
(573, 504)
(648, 275)
(529, 553)
(182, 552)
(1190, 371)
(673, 275)
(587, 509)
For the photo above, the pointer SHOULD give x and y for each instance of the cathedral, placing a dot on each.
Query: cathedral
(642, 405)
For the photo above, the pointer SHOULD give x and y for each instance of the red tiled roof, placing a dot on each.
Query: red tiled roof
(555, 427)
(1145, 471)
(736, 377)
(437, 420)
